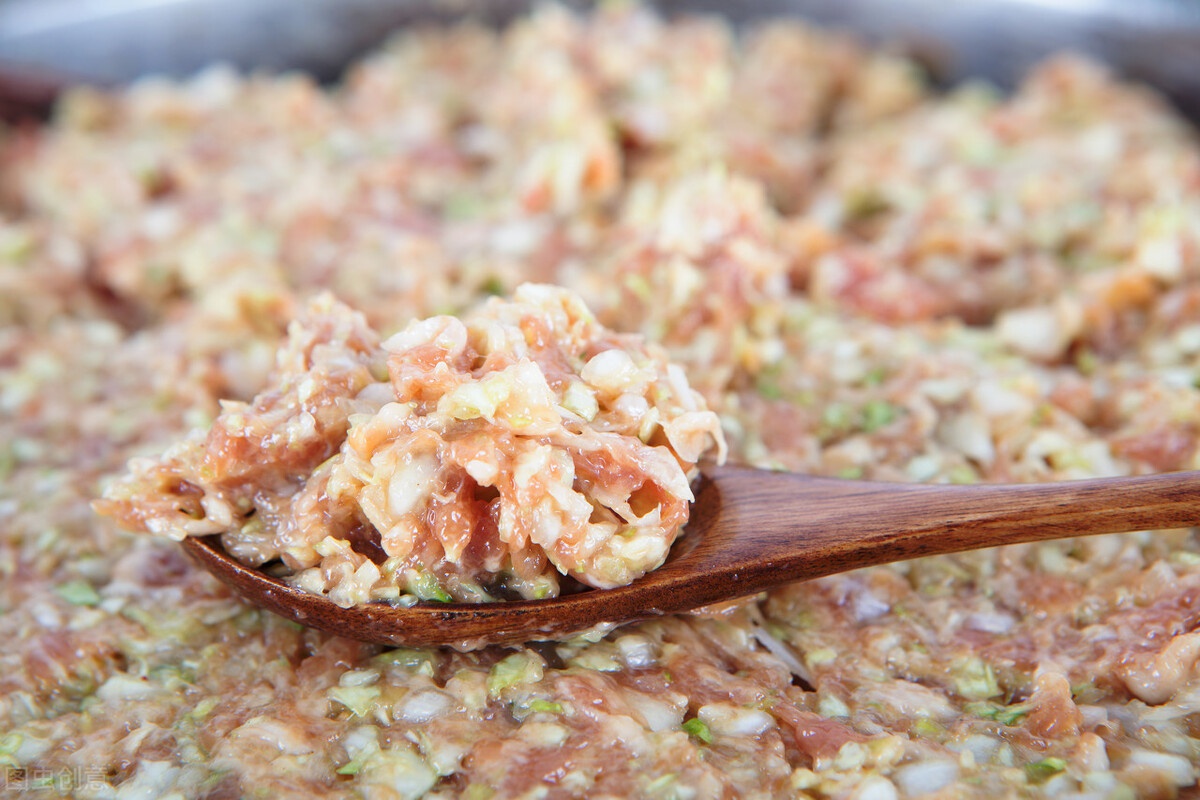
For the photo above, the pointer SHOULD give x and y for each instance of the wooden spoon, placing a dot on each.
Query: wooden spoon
(751, 530)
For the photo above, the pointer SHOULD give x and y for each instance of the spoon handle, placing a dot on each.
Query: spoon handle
(778, 527)
(752, 530)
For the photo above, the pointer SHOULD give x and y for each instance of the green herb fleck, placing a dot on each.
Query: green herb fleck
(408, 658)
(1087, 693)
(974, 679)
(836, 418)
(464, 206)
(203, 709)
(350, 768)
(1011, 715)
(1087, 362)
(640, 287)
(15, 245)
(1042, 415)
(545, 706)
(696, 728)
(78, 593)
(1005, 715)
(425, 585)
(877, 414)
(8, 749)
(875, 377)
(358, 699)
(963, 475)
(1039, 771)
(767, 383)
(927, 728)
(519, 668)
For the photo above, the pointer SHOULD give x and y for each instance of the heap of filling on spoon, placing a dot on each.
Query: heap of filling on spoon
(462, 460)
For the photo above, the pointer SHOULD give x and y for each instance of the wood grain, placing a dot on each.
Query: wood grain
(751, 530)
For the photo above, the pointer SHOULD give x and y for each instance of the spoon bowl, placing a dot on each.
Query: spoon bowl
(752, 530)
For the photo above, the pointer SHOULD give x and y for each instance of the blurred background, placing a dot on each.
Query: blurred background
(47, 43)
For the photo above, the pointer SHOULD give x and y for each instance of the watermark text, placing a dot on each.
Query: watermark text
(61, 779)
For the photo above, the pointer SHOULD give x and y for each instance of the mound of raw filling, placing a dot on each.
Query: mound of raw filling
(461, 459)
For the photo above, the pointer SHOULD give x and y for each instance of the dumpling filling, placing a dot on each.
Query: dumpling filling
(464, 460)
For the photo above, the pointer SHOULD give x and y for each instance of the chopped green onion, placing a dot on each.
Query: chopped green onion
(877, 414)
(545, 706)
(517, 669)
(1039, 771)
(696, 728)
(78, 593)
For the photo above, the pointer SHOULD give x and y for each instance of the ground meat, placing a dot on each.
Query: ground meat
(520, 443)
(860, 275)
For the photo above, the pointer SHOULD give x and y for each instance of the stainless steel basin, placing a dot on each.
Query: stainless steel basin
(45, 43)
